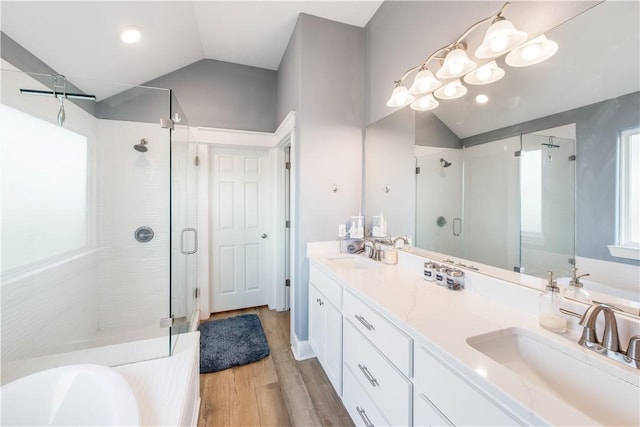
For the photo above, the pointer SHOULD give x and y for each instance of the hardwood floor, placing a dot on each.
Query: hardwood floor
(276, 391)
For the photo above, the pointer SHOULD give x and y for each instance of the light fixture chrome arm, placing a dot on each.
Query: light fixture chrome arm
(451, 45)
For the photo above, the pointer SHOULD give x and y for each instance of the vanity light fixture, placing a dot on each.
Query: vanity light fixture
(452, 90)
(456, 64)
(424, 82)
(486, 74)
(400, 97)
(425, 103)
(453, 62)
(501, 37)
(130, 34)
(532, 52)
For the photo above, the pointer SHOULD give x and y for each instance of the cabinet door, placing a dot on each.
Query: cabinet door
(333, 345)
(425, 413)
(316, 334)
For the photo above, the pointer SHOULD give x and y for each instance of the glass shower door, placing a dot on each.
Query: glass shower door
(184, 221)
(547, 205)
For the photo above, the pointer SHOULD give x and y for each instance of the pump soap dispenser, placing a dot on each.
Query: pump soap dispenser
(575, 289)
(549, 316)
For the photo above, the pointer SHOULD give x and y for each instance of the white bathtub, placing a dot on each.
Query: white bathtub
(72, 395)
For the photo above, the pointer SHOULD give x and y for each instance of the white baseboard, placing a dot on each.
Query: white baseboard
(196, 414)
(301, 349)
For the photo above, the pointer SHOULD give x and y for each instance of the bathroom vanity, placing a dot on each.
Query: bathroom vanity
(400, 350)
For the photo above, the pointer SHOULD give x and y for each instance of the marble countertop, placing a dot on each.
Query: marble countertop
(441, 320)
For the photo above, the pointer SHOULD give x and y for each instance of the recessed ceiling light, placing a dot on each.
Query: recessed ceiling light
(481, 99)
(130, 35)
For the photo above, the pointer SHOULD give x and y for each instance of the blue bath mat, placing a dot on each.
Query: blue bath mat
(235, 341)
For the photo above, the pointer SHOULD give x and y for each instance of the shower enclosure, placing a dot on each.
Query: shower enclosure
(508, 203)
(99, 238)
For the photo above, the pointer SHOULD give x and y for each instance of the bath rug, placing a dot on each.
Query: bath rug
(234, 341)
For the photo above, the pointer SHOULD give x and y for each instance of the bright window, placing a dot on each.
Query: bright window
(44, 189)
(531, 192)
(629, 189)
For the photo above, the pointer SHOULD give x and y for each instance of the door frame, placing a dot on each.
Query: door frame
(276, 142)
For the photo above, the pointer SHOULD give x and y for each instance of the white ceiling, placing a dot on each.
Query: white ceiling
(80, 39)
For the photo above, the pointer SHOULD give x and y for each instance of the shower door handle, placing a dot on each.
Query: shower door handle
(453, 226)
(195, 240)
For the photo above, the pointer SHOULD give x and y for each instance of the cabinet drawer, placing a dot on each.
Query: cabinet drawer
(395, 344)
(459, 401)
(362, 410)
(329, 287)
(389, 390)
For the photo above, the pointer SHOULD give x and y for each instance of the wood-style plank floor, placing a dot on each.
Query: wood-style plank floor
(275, 391)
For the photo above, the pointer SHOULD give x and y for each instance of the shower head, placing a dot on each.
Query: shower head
(142, 146)
(444, 163)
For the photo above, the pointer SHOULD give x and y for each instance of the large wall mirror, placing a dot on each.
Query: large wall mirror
(526, 181)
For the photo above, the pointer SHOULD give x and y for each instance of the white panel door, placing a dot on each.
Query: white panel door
(241, 275)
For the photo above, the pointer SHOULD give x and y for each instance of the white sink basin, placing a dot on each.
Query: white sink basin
(356, 262)
(606, 398)
(74, 395)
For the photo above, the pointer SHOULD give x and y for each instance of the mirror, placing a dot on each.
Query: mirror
(576, 103)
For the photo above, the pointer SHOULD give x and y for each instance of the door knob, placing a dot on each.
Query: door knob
(264, 235)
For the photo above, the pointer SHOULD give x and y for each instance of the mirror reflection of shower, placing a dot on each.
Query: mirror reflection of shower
(59, 91)
(549, 146)
(142, 145)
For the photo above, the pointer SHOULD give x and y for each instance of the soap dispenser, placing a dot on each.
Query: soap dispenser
(575, 289)
(549, 316)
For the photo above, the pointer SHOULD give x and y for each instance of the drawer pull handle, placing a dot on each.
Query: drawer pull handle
(436, 409)
(366, 324)
(364, 417)
(367, 374)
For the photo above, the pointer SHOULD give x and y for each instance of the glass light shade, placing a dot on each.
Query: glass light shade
(452, 90)
(532, 52)
(501, 37)
(456, 64)
(424, 82)
(400, 97)
(486, 74)
(425, 103)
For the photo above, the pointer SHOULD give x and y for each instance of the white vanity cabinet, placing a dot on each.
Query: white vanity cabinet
(443, 397)
(325, 324)
(377, 355)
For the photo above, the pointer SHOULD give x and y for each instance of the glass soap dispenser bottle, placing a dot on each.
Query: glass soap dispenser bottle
(549, 316)
(575, 290)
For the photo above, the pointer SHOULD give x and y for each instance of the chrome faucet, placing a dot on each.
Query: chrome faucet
(610, 344)
(610, 340)
(374, 250)
(405, 241)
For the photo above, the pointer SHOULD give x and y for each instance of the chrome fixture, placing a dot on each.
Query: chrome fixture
(373, 246)
(142, 146)
(59, 91)
(549, 146)
(575, 290)
(500, 38)
(444, 163)
(610, 344)
(404, 239)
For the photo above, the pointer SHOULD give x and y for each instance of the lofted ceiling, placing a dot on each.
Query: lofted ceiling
(80, 39)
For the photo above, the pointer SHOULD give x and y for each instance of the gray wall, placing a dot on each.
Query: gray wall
(431, 131)
(597, 127)
(323, 70)
(224, 95)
